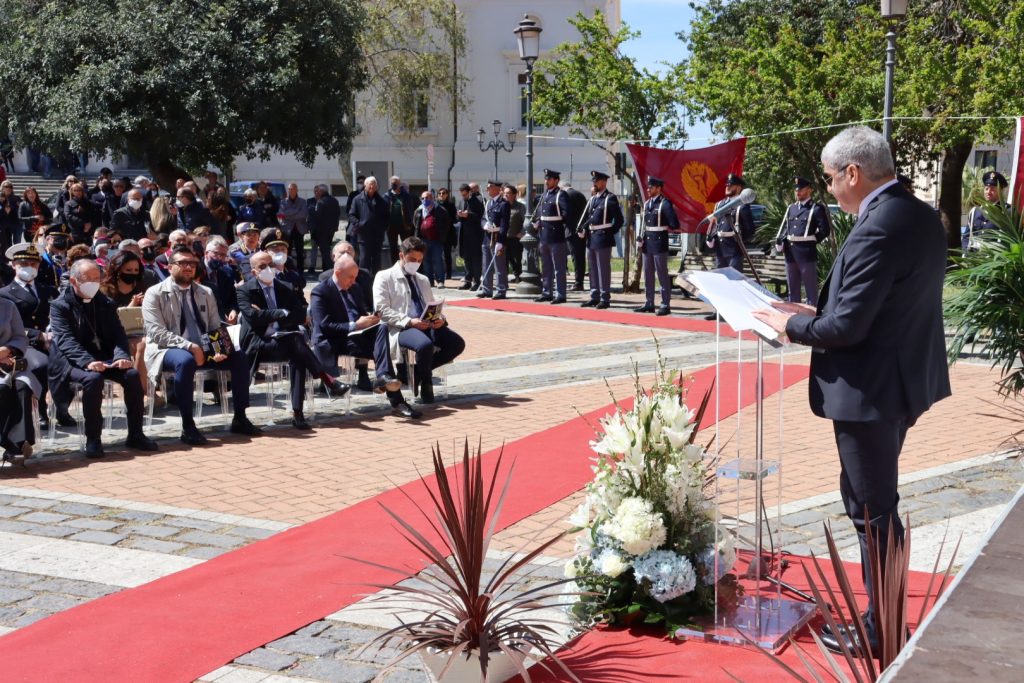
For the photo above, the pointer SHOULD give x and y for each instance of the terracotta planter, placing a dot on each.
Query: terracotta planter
(466, 669)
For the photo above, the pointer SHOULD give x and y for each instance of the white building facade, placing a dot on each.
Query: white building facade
(497, 82)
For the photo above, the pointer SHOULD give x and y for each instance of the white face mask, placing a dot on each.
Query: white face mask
(88, 289)
(135, 204)
(279, 258)
(411, 267)
(266, 276)
(26, 273)
(179, 204)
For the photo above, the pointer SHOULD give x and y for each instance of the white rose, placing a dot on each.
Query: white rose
(612, 564)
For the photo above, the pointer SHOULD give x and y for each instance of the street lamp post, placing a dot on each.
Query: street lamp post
(892, 10)
(528, 37)
(497, 144)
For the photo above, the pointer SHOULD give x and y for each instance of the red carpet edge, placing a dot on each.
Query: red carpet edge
(187, 624)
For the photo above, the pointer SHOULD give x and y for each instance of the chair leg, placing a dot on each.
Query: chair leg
(222, 384)
(199, 384)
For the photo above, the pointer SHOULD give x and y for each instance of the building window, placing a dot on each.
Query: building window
(985, 158)
(418, 112)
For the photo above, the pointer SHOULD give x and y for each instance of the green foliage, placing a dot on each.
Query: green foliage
(828, 250)
(988, 298)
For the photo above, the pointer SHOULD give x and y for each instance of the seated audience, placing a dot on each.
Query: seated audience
(122, 284)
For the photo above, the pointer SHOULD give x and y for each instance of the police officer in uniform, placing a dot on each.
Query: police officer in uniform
(52, 264)
(552, 212)
(32, 299)
(652, 242)
(977, 221)
(601, 220)
(723, 235)
(498, 213)
(806, 223)
(274, 242)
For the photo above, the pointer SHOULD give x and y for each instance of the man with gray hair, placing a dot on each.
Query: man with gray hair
(879, 358)
(131, 220)
(367, 225)
(326, 216)
(293, 223)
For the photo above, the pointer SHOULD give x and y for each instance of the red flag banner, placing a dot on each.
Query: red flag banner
(1017, 176)
(694, 178)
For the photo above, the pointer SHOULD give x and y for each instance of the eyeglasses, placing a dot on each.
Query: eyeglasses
(186, 264)
(839, 174)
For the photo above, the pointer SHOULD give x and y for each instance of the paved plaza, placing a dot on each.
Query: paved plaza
(73, 530)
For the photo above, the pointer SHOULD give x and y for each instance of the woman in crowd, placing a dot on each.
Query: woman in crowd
(221, 208)
(65, 194)
(163, 216)
(122, 283)
(78, 214)
(10, 221)
(34, 214)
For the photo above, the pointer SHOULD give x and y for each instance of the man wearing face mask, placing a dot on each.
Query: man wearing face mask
(249, 244)
(89, 346)
(51, 266)
(147, 251)
(222, 278)
(131, 221)
(401, 296)
(273, 241)
(32, 300)
(430, 222)
(177, 314)
(272, 319)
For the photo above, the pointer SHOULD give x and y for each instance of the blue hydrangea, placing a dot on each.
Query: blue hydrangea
(670, 575)
(707, 564)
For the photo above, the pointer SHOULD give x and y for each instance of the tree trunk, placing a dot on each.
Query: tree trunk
(951, 181)
(165, 172)
(631, 281)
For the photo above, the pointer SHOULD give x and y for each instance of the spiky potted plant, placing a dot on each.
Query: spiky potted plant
(468, 626)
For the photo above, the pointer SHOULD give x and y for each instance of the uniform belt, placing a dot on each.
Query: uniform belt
(801, 238)
(656, 229)
(727, 234)
(552, 218)
(601, 227)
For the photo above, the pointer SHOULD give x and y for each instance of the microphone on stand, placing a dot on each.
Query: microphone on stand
(747, 196)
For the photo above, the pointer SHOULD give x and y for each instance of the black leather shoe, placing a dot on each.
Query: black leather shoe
(140, 442)
(542, 298)
(403, 409)
(589, 302)
(64, 419)
(299, 421)
(427, 392)
(337, 388)
(240, 424)
(498, 297)
(663, 310)
(603, 304)
(644, 309)
(483, 294)
(94, 448)
(852, 641)
(386, 382)
(558, 300)
(191, 436)
(364, 384)
(577, 288)
(465, 285)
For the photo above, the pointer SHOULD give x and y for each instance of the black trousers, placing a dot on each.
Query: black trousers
(369, 256)
(869, 454)
(92, 398)
(473, 259)
(16, 416)
(38, 365)
(297, 241)
(514, 248)
(578, 250)
(292, 349)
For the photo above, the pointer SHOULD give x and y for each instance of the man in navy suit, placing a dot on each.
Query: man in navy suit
(879, 353)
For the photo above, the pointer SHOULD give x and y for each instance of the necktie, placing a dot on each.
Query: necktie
(350, 305)
(273, 327)
(417, 302)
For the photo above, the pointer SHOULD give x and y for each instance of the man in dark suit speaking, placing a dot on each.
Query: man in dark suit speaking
(879, 353)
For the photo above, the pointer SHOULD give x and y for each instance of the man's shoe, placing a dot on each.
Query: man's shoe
(542, 298)
(94, 448)
(240, 424)
(851, 640)
(603, 304)
(663, 310)
(589, 303)
(386, 382)
(577, 288)
(337, 388)
(191, 435)
(403, 409)
(498, 297)
(299, 421)
(140, 442)
(364, 383)
(646, 308)
(483, 294)
(558, 300)
(465, 285)
(427, 392)
(64, 419)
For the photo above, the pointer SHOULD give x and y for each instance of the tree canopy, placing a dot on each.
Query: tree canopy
(181, 83)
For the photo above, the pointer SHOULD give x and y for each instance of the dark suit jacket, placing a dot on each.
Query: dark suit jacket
(289, 315)
(880, 349)
(331, 317)
(368, 219)
(222, 282)
(325, 218)
(75, 324)
(364, 280)
(35, 312)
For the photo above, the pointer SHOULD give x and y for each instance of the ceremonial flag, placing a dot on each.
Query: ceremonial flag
(1017, 175)
(694, 178)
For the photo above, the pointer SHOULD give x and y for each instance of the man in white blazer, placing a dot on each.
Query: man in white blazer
(400, 296)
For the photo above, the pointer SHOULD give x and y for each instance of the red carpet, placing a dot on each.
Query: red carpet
(608, 315)
(622, 655)
(187, 624)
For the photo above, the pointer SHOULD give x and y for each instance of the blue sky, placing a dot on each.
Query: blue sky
(658, 21)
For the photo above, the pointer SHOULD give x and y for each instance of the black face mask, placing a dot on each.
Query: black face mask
(60, 243)
(130, 278)
(394, 186)
(149, 254)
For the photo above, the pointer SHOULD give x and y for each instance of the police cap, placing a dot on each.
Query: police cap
(598, 175)
(57, 229)
(26, 251)
(271, 236)
(735, 179)
(993, 178)
(548, 174)
(655, 182)
(799, 182)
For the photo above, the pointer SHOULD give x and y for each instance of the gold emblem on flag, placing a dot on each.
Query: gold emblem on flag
(698, 182)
